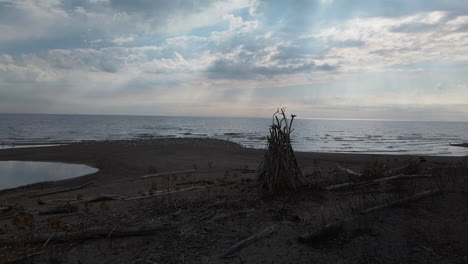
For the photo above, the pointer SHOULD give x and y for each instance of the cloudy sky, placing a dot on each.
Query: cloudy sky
(388, 59)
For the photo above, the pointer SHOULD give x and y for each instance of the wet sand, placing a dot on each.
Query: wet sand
(218, 181)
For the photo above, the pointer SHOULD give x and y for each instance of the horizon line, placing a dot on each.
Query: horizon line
(201, 116)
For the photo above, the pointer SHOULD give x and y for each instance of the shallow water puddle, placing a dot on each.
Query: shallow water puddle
(18, 173)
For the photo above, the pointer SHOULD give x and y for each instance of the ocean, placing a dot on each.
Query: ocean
(311, 135)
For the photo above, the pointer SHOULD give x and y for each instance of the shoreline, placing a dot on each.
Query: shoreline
(7, 146)
(207, 191)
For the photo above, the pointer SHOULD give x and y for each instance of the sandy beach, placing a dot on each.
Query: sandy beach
(200, 195)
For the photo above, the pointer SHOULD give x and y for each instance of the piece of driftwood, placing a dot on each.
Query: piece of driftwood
(251, 239)
(195, 182)
(62, 191)
(410, 169)
(23, 258)
(350, 172)
(244, 170)
(61, 209)
(415, 197)
(323, 233)
(162, 193)
(170, 173)
(380, 180)
(100, 198)
(5, 209)
(103, 232)
(227, 215)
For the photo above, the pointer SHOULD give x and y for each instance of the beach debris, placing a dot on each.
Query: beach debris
(410, 168)
(228, 215)
(325, 232)
(102, 232)
(380, 180)
(61, 209)
(162, 193)
(21, 259)
(62, 190)
(100, 198)
(398, 202)
(331, 230)
(251, 239)
(353, 175)
(171, 173)
(5, 209)
(279, 171)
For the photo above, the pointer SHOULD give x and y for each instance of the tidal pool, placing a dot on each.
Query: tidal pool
(18, 173)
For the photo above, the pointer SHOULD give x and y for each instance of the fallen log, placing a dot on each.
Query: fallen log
(62, 191)
(170, 173)
(251, 239)
(415, 197)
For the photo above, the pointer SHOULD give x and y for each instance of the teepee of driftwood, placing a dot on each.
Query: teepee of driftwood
(279, 171)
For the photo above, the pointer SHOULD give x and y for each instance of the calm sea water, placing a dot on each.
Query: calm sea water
(356, 136)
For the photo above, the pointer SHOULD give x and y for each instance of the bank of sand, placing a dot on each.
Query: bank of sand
(430, 230)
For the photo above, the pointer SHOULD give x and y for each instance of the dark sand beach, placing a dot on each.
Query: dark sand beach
(205, 200)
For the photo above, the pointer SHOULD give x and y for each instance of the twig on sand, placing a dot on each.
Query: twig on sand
(47, 241)
(162, 193)
(170, 173)
(251, 239)
(428, 250)
(63, 190)
(23, 258)
(227, 215)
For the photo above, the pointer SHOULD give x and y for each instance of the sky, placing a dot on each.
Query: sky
(360, 59)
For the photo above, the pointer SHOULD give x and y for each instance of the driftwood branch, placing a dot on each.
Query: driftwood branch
(321, 234)
(61, 209)
(350, 172)
(102, 232)
(162, 193)
(170, 173)
(227, 215)
(62, 191)
(251, 239)
(23, 258)
(391, 178)
(100, 198)
(415, 197)
(335, 228)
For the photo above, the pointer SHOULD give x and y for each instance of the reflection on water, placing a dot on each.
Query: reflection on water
(18, 173)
